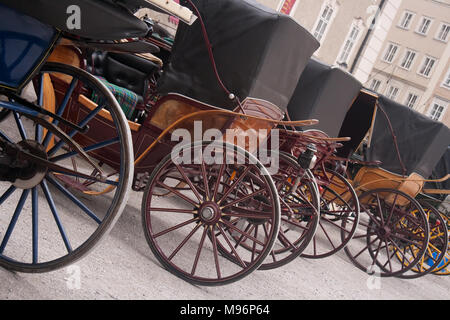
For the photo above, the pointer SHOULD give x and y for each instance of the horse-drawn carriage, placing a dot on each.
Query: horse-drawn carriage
(215, 207)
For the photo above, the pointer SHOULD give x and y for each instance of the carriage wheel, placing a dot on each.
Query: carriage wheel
(444, 268)
(46, 223)
(391, 223)
(222, 201)
(437, 246)
(339, 215)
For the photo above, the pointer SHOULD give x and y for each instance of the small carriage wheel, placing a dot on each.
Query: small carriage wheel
(437, 246)
(339, 215)
(46, 222)
(391, 222)
(186, 231)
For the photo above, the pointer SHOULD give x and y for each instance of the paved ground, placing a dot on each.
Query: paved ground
(123, 267)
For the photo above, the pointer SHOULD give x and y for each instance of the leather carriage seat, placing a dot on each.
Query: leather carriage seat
(124, 70)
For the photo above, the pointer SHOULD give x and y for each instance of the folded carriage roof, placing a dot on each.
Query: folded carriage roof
(422, 141)
(324, 93)
(259, 53)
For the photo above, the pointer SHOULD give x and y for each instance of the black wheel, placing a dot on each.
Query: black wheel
(50, 216)
(392, 225)
(220, 201)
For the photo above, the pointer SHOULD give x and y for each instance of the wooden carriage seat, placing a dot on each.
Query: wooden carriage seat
(369, 178)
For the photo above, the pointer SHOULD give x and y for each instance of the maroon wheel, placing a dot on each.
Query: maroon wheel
(392, 225)
(339, 215)
(299, 200)
(187, 231)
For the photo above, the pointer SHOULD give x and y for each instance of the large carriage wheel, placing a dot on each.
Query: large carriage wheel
(339, 215)
(391, 223)
(46, 222)
(227, 194)
(437, 246)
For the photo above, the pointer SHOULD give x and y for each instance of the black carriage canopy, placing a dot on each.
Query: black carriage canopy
(440, 171)
(324, 93)
(259, 53)
(421, 141)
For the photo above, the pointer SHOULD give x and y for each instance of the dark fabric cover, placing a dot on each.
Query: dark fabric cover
(259, 53)
(440, 171)
(422, 141)
(357, 123)
(100, 20)
(324, 93)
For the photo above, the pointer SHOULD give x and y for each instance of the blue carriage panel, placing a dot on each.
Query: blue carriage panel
(24, 44)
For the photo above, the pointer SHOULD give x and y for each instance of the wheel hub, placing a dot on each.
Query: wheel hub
(34, 173)
(209, 213)
(384, 232)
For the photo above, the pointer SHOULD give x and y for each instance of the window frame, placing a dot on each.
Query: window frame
(388, 89)
(400, 23)
(387, 52)
(408, 100)
(446, 79)
(334, 7)
(357, 24)
(378, 86)
(420, 25)
(438, 32)
(440, 103)
(423, 65)
(406, 56)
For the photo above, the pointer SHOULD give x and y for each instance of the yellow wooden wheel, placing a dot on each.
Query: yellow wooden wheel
(436, 249)
(444, 268)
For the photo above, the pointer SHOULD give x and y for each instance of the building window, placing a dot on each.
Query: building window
(408, 60)
(406, 20)
(375, 85)
(446, 82)
(324, 21)
(287, 6)
(437, 110)
(349, 44)
(392, 92)
(411, 100)
(443, 32)
(390, 53)
(424, 26)
(427, 66)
